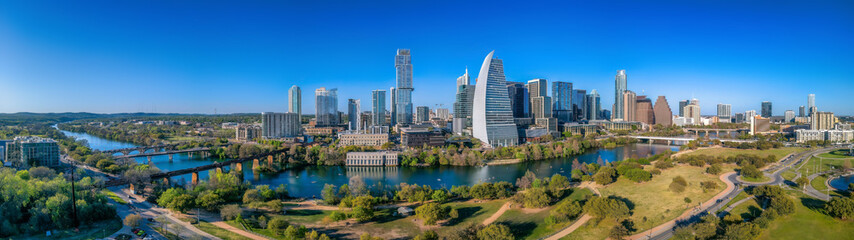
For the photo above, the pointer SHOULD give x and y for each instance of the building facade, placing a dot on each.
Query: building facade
(724, 111)
(789, 116)
(463, 108)
(443, 114)
(692, 111)
(419, 137)
(378, 108)
(247, 132)
(384, 158)
(519, 99)
(663, 114)
(644, 112)
(351, 138)
(326, 107)
(403, 95)
(594, 106)
(562, 95)
(295, 100)
(822, 121)
(766, 109)
(422, 114)
(492, 118)
(682, 105)
(804, 135)
(579, 104)
(620, 86)
(354, 116)
(32, 151)
(280, 125)
(629, 106)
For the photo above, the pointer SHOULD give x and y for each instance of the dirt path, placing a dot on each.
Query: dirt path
(566, 231)
(689, 212)
(230, 228)
(497, 214)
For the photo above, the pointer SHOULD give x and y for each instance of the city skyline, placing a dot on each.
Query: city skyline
(105, 56)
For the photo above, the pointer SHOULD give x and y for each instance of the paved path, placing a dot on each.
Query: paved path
(217, 221)
(732, 206)
(148, 210)
(566, 231)
(497, 214)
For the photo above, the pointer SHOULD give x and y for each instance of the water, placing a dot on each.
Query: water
(308, 181)
(841, 183)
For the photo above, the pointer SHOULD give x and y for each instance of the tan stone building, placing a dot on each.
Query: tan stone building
(822, 121)
(663, 114)
(362, 139)
(384, 158)
(643, 110)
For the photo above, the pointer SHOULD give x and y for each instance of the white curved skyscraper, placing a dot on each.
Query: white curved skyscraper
(492, 117)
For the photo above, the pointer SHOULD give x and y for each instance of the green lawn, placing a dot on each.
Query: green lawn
(836, 154)
(112, 195)
(470, 213)
(654, 203)
(219, 232)
(816, 164)
(808, 223)
(593, 229)
(727, 152)
(738, 197)
(789, 175)
(532, 225)
(749, 209)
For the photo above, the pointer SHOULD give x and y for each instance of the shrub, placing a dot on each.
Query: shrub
(714, 169)
(638, 175)
(678, 185)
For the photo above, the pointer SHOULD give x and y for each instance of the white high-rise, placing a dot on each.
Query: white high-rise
(620, 86)
(295, 100)
(378, 108)
(354, 114)
(403, 93)
(724, 111)
(326, 107)
(492, 117)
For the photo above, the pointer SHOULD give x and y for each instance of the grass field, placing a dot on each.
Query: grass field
(816, 164)
(592, 230)
(219, 232)
(836, 154)
(470, 213)
(738, 197)
(749, 209)
(808, 223)
(789, 175)
(653, 202)
(533, 225)
(112, 195)
(727, 152)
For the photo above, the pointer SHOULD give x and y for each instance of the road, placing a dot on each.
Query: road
(788, 162)
(183, 230)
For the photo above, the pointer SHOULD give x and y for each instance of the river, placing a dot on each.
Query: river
(308, 181)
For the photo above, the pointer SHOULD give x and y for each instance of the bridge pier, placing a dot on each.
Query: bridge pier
(270, 161)
(255, 164)
(166, 181)
(238, 167)
(170, 158)
(195, 179)
(219, 170)
(190, 154)
(149, 160)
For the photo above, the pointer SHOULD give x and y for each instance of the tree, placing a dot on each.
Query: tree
(740, 231)
(564, 211)
(495, 232)
(281, 192)
(277, 225)
(363, 208)
(638, 175)
(329, 195)
(708, 185)
(536, 198)
(209, 200)
(714, 169)
(230, 211)
(440, 195)
(252, 195)
(840, 207)
(750, 171)
(606, 208)
(132, 220)
(618, 232)
(678, 185)
(431, 213)
(802, 182)
(427, 235)
(605, 176)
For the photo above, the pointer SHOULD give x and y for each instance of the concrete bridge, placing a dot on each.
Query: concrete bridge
(681, 140)
(234, 164)
(204, 151)
(139, 150)
(717, 131)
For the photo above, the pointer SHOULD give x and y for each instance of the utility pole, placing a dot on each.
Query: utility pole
(73, 199)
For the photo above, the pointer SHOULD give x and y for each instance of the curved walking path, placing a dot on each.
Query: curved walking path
(497, 214)
(581, 220)
(669, 225)
(216, 221)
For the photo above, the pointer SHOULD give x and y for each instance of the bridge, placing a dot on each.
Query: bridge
(235, 164)
(143, 149)
(203, 150)
(682, 140)
(717, 131)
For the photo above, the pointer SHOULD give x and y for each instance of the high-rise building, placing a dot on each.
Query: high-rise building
(443, 113)
(393, 118)
(766, 109)
(749, 114)
(789, 116)
(812, 110)
(629, 106)
(606, 114)
(643, 110)
(295, 100)
(822, 121)
(692, 110)
(422, 114)
(464, 79)
(519, 101)
(541, 103)
(682, 105)
(463, 105)
(740, 118)
(594, 106)
(492, 118)
(620, 86)
(354, 110)
(403, 94)
(802, 111)
(280, 125)
(562, 95)
(579, 102)
(378, 108)
(663, 114)
(32, 151)
(724, 111)
(811, 100)
(326, 107)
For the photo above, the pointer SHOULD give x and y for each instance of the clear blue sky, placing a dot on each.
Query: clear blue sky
(242, 56)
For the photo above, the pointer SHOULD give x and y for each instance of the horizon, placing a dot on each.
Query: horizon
(229, 58)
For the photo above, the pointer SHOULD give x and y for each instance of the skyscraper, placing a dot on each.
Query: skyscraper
(766, 109)
(663, 114)
(541, 103)
(579, 102)
(280, 125)
(822, 121)
(463, 104)
(378, 107)
(802, 111)
(724, 111)
(326, 107)
(643, 110)
(354, 114)
(682, 105)
(295, 100)
(789, 116)
(811, 100)
(422, 114)
(692, 111)
(518, 99)
(563, 101)
(629, 106)
(464, 79)
(492, 118)
(620, 86)
(403, 94)
(393, 117)
(594, 106)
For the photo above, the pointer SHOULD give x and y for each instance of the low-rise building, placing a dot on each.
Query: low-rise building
(384, 158)
(805, 135)
(618, 125)
(247, 132)
(322, 131)
(580, 129)
(759, 125)
(418, 137)
(362, 139)
(31, 151)
(547, 123)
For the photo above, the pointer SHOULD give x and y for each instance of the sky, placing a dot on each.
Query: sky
(242, 56)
